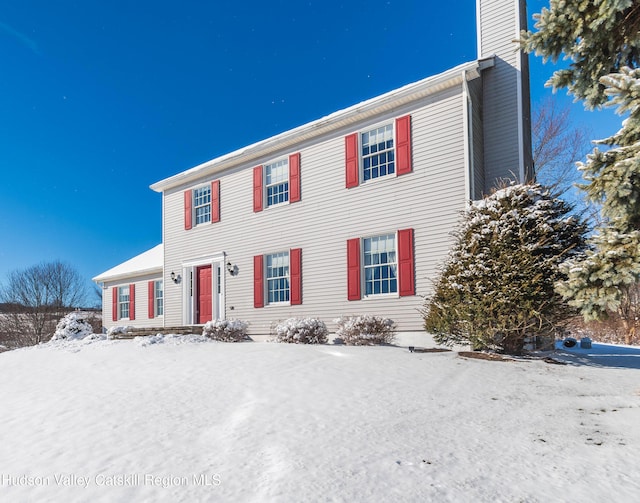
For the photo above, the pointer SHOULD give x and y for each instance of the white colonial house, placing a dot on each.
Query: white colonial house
(349, 214)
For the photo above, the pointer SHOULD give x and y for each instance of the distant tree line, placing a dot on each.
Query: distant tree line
(34, 299)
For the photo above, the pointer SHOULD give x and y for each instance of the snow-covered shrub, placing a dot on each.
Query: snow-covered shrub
(496, 288)
(225, 330)
(301, 331)
(73, 326)
(115, 331)
(365, 330)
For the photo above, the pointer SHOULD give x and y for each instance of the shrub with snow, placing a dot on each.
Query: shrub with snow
(365, 330)
(497, 286)
(73, 326)
(114, 331)
(301, 331)
(225, 330)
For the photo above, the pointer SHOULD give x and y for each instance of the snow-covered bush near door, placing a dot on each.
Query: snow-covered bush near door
(225, 330)
(301, 331)
(72, 326)
(365, 330)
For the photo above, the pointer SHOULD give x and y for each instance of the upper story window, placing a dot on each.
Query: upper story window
(123, 301)
(277, 182)
(277, 277)
(378, 154)
(380, 265)
(202, 204)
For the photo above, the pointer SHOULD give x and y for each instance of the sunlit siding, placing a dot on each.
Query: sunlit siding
(428, 200)
(502, 122)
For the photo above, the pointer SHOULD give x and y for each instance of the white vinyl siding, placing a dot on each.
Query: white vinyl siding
(429, 201)
(501, 125)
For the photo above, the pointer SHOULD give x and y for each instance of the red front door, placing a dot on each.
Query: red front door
(204, 294)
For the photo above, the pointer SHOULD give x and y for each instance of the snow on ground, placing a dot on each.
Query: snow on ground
(104, 421)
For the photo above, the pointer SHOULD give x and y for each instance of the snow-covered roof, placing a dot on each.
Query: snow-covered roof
(335, 121)
(147, 262)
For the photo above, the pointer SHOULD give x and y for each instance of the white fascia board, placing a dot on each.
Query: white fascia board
(103, 278)
(335, 121)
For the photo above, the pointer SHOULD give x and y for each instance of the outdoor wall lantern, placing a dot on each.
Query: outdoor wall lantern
(175, 277)
(232, 269)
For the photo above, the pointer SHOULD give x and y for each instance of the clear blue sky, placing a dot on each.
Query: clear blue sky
(100, 99)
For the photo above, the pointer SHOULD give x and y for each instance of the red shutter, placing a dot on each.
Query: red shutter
(132, 301)
(353, 269)
(258, 281)
(114, 303)
(403, 145)
(257, 189)
(351, 160)
(188, 198)
(151, 286)
(406, 274)
(295, 269)
(294, 178)
(215, 201)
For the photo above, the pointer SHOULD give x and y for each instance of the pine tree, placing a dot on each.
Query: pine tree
(497, 286)
(605, 279)
(601, 38)
(598, 37)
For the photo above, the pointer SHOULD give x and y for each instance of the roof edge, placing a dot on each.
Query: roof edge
(102, 278)
(145, 263)
(336, 120)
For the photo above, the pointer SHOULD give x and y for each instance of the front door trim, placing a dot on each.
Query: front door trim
(189, 282)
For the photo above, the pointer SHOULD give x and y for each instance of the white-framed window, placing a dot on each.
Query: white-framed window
(377, 152)
(159, 297)
(123, 302)
(380, 265)
(277, 182)
(202, 204)
(278, 284)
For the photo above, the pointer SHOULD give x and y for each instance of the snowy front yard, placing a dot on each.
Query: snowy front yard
(120, 421)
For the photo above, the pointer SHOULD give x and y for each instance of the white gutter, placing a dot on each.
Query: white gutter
(125, 275)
